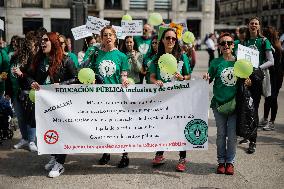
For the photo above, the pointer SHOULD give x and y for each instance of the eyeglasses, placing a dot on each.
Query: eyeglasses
(223, 43)
(171, 38)
(154, 43)
(44, 40)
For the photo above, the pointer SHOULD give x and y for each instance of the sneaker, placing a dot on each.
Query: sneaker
(21, 144)
(32, 147)
(229, 169)
(269, 126)
(50, 164)
(244, 141)
(124, 162)
(221, 168)
(56, 171)
(158, 160)
(262, 122)
(181, 166)
(251, 148)
(105, 159)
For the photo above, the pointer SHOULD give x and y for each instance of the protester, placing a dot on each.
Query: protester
(148, 59)
(189, 50)
(112, 66)
(4, 67)
(276, 79)
(169, 44)
(51, 66)
(256, 41)
(224, 91)
(210, 47)
(241, 38)
(66, 52)
(10, 48)
(89, 41)
(135, 59)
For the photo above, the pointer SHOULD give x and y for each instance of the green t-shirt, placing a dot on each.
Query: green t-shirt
(135, 66)
(74, 58)
(110, 65)
(4, 67)
(224, 88)
(261, 45)
(147, 63)
(144, 45)
(154, 68)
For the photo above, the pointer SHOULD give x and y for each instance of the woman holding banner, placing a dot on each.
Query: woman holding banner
(51, 66)
(169, 44)
(111, 65)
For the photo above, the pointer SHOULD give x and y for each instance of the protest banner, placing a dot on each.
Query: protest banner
(81, 32)
(112, 119)
(248, 54)
(1, 24)
(119, 33)
(132, 28)
(95, 25)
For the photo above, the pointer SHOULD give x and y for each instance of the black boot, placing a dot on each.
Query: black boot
(251, 148)
(124, 162)
(105, 159)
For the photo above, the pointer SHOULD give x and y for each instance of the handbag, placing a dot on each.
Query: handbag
(227, 108)
(266, 85)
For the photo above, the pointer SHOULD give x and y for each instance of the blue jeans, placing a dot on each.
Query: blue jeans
(27, 132)
(226, 137)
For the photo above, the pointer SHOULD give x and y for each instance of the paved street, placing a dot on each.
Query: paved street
(264, 169)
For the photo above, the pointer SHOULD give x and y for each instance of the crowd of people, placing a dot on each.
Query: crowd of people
(44, 58)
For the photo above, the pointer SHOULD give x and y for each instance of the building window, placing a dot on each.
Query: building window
(228, 9)
(194, 5)
(274, 4)
(163, 5)
(138, 4)
(30, 24)
(234, 8)
(31, 3)
(247, 5)
(91, 2)
(113, 4)
(1, 3)
(59, 4)
(194, 27)
(62, 26)
(265, 5)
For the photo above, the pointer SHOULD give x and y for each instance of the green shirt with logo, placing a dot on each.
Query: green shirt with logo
(261, 44)
(224, 87)
(154, 68)
(143, 45)
(110, 65)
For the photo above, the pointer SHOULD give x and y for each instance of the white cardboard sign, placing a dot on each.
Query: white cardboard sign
(132, 28)
(81, 32)
(95, 25)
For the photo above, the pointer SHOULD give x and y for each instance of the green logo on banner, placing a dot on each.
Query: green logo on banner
(196, 132)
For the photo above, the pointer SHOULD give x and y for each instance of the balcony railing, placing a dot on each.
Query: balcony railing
(60, 3)
(31, 3)
(163, 4)
(138, 4)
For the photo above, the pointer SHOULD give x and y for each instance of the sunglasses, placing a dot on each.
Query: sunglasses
(44, 40)
(223, 43)
(154, 42)
(171, 38)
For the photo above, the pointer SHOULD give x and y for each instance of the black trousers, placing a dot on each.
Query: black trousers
(60, 158)
(211, 56)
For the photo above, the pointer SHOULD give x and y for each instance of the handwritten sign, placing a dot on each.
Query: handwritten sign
(110, 118)
(119, 32)
(248, 54)
(95, 25)
(81, 32)
(1, 24)
(132, 28)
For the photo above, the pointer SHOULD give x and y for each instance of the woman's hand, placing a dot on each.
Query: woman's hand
(125, 83)
(178, 76)
(206, 76)
(248, 82)
(35, 86)
(17, 71)
(159, 83)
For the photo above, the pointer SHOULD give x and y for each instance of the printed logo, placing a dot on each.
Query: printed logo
(143, 48)
(107, 68)
(227, 77)
(196, 132)
(253, 47)
(51, 137)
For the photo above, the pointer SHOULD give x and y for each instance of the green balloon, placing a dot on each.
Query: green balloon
(155, 19)
(168, 64)
(126, 17)
(130, 80)
(188, 37)
(86, 76)
(243, 68)
(32, 95)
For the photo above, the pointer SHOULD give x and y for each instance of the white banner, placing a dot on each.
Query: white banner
(248, 54)
(132, 28)
(109, 118)
(1, 24)
(95, 25)
(81, 32)
(119, 33)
